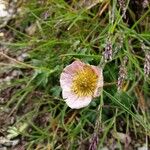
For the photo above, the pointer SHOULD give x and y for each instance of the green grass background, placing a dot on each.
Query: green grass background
(70, 33)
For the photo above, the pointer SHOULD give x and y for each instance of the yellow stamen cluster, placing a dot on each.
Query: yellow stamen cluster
(84, 82)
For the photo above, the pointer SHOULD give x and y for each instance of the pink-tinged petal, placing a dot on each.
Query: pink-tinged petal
(78, 103)
(98, 92)
(74, 67)
(67, 93)
(100, 82)
(65, 76)
(66, 85)
(65, 81)
(75, 102)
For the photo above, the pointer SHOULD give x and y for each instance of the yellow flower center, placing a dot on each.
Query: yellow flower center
(85, 81)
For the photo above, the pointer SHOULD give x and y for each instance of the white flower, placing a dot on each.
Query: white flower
(80, 82)
(3, 11)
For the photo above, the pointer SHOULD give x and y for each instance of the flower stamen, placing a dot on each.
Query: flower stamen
(85, 82)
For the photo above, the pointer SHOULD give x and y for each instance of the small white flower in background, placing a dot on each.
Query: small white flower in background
(3, 9)
(80, 83)
(4, 14)
(8, 10)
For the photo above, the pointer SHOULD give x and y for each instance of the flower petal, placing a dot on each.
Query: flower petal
(74, 67)
(65, 81)
(75, 102)
(100, 83)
